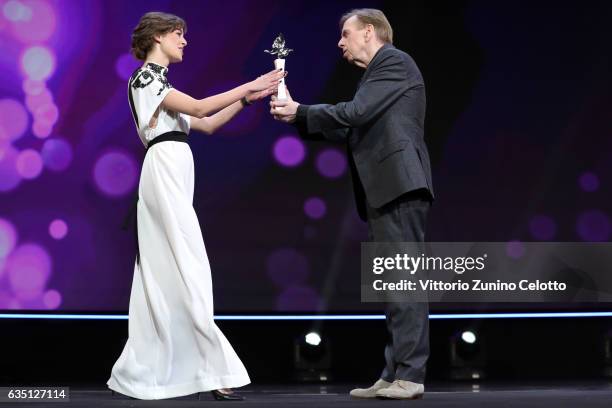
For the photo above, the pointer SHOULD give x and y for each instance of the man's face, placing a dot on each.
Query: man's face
(352, 41)
(172, 44)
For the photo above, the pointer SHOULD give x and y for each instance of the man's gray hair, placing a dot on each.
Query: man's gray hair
(381, 25)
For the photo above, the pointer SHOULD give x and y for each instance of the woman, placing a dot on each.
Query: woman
(174, 346)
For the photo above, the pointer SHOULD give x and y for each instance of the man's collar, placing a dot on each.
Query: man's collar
(385, 46)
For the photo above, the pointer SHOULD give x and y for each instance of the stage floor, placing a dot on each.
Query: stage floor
(461, 394)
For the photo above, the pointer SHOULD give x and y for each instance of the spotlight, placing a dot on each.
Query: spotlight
(313, 339)
(312, 357)
(469, 337)
(467, 356)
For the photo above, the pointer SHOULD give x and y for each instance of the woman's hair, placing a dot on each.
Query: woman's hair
(152, 24)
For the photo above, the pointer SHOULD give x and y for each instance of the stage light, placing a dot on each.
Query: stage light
(331, 163)
(313, 339)
(467, 356)
(289, 151)
(315, 208)
(28, 269)
(115, 173)
(56, 154)
(312, 358)
(16, 11)
(468, 337)
(38, 62)
(13, 119)
(58, 229)
(9, 177)
(29, 164)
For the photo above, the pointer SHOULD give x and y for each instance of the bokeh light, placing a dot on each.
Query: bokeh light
(298, 298)
(9, 178)
(331, 163)
(115, 173)
(7, 301)
(56, 154)
(8, 237)
(33, 86)
(16, 11)
(542, 227)
(515, 249)
(47, 114)
(29, 164)
(38, 62)
(36, 101)
(4, 145)
(594, 226)
(5, 298)
(41, 130)
(52, 299)
(588, 182)
(289, 151)
(36, 23)
(126, 65)
(28, 269)
(13, 119)
(315, 208)
(58, 229)
(286, 267)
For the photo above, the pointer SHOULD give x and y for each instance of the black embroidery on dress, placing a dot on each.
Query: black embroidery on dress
(143, 79)
(135, 74)
(158, 69)
(145, 76)
(165, 84)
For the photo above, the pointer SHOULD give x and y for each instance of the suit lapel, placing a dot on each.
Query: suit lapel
(365, 75)
(373, 63)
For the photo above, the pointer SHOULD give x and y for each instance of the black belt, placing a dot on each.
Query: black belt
(132, 216)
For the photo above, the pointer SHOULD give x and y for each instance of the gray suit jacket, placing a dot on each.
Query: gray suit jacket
(382, 127)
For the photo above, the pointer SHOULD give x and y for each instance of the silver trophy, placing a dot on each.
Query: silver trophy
(278, 49)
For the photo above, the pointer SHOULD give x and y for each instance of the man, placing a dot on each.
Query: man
(383, 129)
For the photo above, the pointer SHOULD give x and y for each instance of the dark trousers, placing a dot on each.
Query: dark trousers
(406, 353)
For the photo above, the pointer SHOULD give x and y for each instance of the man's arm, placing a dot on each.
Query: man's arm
(384, 86)
(333, 135)
(297, 117)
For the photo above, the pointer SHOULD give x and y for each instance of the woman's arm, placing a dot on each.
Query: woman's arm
(210, 124)
(199, 108)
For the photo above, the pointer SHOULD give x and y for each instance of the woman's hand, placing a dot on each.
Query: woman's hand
(272, 79)
(267, 81)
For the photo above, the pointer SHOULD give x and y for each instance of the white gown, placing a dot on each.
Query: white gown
(174, 346)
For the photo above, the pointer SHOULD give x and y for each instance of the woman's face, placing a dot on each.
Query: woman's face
(172, 44)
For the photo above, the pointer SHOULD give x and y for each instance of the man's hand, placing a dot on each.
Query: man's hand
(284, 110)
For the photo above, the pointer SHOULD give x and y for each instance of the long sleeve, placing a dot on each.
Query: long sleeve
(334, 135)
(385, 85)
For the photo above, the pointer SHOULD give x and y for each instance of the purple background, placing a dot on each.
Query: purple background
(519, 102)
